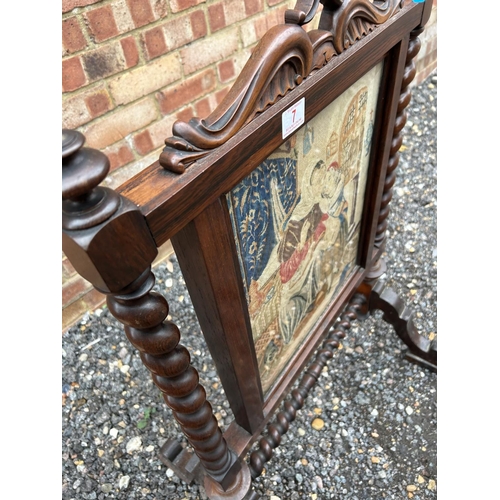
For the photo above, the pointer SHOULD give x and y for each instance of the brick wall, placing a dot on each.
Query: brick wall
(130, 68)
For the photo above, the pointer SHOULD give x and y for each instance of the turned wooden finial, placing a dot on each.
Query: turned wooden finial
(85, 203)
(96, 218)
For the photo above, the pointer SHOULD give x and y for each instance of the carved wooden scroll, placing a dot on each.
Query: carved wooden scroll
(350, 20)
(284, 57)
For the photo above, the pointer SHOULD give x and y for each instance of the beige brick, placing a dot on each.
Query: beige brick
(178, 5)
(115, 126)
(145, 79)
(248, 34)
(234, 11)
(160, 9)
(123, 18)
(73, 313)
(240, 59)
(178, 32)
(75, 112)
(207, 51)
(119, 176)
(161, 129)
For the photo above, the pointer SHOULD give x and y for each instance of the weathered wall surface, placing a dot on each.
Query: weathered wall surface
(131, 68)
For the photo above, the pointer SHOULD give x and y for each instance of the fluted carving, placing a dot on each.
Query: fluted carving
(280, 62)
(397, 139)
(283, 58)
(280, 426)
(351, 20)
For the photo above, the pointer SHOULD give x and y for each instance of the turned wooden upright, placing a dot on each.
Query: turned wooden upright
(108, 240)
(111, 237)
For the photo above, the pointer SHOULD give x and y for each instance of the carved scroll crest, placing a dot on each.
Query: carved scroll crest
(350, 20)
(283, 58)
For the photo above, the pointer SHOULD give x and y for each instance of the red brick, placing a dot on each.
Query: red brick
(130, 51)
(203, 108)
(198, 24)
(72, 35)
(67, 269)
(143, 143)
(141, 12)
(103, 62)
(161, 8)
(219, 96)
(118, 156)
(102, 23)
(73, 76)
(273, 2)
(253, 6)
(261, 26)
(98, 103)
(185, 115)
(68, 5)
(226, 70)
(178, 5)
(74, 289)
(154, 42)
(186, 92)
(94, 299)
(216, 16)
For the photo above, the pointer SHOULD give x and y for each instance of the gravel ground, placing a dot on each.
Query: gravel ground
(379, 411)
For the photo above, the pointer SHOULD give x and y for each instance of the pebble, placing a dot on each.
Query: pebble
(318, 424)
(104, 402)
(133, 444)
(124, 482)
(106, 488)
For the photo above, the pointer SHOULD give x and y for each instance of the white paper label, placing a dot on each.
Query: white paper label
(293, 118)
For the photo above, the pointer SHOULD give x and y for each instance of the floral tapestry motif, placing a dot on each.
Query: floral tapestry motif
(296, 222)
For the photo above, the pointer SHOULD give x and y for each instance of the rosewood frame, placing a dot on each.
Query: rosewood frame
(111, 237)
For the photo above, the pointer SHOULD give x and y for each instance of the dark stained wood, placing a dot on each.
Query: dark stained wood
(397, 139)
(396, 313)
(298, 396)
(110, 254)
(207, 256)
(381, 147)
(143, 313)
(96, 219)
(111, 237)
(169, 201)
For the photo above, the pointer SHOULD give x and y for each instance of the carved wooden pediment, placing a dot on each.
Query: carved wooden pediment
(283, 58)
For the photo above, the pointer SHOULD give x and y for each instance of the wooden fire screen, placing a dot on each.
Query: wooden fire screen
(276, 205)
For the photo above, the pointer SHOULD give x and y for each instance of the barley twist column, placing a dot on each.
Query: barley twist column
(397, 140)
(280, 426)
(107, 239)
(143, 313)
